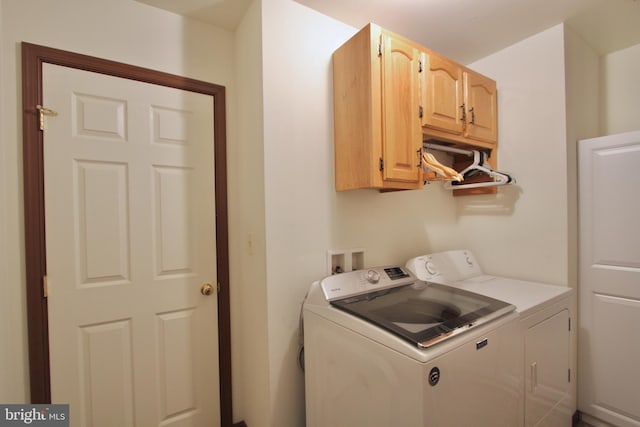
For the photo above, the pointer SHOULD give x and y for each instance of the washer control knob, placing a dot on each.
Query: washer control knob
(373, 276)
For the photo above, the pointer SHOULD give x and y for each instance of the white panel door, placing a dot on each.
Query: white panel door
(130, 240)
(609, 297)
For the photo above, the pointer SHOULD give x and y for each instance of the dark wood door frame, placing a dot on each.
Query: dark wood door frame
(33, 56)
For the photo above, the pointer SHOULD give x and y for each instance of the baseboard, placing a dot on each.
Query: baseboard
(593, 421)
(575, 419)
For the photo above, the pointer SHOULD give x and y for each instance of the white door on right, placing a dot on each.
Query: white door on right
(609, 288)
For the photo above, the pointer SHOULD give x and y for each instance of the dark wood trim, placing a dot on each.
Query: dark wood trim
(33, 56)
(35, 258)
(575, 419)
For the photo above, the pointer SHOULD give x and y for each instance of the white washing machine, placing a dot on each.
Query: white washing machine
(383, 348)
(545, 330)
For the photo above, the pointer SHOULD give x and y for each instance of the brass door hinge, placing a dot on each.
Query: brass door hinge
(43, 111)
(45, 286)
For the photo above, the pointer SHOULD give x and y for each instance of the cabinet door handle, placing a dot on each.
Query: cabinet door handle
(534, 377)
(473, 116)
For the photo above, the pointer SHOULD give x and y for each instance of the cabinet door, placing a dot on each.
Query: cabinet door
(547, 372)
(481, 104)
(441, 95)
(402, 136)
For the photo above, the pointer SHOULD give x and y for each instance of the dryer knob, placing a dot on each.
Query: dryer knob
(431, 269)
(373, 276)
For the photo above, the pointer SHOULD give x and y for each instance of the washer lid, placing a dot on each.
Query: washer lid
(424, 313)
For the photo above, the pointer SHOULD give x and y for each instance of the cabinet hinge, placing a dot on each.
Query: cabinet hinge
(419, 66)
(381, 164)
(219, 287)
(569, 323)
(420, 111)
(569, 375)
(380, 48)
(45, 286)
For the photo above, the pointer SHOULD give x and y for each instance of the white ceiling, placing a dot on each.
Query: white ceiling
(464, 30)
(221, 13)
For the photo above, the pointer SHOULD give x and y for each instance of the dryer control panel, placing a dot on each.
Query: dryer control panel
(445, 267)
(425, 269)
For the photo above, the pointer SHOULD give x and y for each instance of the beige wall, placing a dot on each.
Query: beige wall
(583, 108)
(304, 216)
(583, 117)
(284, 212)
(529, 239)
(121, 30)
(296, 52)
(12, 342)
(249, 327)
(621, 91)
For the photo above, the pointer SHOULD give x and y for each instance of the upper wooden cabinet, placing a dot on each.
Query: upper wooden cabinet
(441, 93)
(378, 136)
(390, 94)
(481, 103)
(401, 133)
(458, 104)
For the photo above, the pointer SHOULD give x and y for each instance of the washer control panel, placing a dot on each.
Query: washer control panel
(360, 282)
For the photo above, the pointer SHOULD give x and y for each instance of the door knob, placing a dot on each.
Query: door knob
(206, 289)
